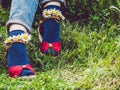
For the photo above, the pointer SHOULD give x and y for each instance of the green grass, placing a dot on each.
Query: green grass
(89, 60)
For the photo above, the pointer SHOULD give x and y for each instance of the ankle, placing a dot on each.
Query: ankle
(15, 27)
(16, 32)
(52, 3)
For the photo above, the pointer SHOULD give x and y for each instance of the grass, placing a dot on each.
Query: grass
(89, 60)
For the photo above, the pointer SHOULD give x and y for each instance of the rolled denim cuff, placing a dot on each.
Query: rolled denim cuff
(28, 28)
(45, 1)
(22, 12)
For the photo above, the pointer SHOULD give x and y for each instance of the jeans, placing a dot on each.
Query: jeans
(23, 11)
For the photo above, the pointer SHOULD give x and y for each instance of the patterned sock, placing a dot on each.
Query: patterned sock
(17, 55)
(51, 30)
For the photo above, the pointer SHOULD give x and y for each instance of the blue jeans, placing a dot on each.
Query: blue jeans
(23, 11)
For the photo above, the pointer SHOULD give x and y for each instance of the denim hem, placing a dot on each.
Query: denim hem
(29, 29)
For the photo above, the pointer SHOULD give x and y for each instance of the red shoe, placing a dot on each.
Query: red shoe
(55, 46)
(15, 71)
(48, 48)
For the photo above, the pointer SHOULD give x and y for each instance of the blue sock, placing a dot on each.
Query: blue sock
(51, 30)
(17, 55)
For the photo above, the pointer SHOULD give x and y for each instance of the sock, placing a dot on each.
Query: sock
(17, 54)
(51, 30)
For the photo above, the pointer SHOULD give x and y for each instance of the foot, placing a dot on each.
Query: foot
(17, 57)
(50, 31)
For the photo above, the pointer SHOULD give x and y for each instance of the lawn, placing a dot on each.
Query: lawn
(89, 60)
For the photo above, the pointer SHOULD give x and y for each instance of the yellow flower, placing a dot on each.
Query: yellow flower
(8, 40)
(46, 13)
(57, 12)
(52, 11)
(18, 37)
(26, 37)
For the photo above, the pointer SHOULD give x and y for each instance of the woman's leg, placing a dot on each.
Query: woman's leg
(19, 26)
(50, 26)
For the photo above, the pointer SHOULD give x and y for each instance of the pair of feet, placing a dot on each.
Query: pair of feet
(17, 59)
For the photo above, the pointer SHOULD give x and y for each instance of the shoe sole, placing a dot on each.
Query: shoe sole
(28, 77)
